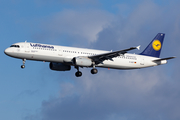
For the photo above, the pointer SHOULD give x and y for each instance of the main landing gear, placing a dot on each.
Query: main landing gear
(94, 71)
(23, 66)
(79, 73)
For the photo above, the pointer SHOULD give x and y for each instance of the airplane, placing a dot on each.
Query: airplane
(61, 58)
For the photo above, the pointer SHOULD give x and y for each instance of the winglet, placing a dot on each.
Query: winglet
(138, 47)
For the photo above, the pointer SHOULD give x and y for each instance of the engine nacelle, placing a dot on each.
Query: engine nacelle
(82, 61)
(59, 66)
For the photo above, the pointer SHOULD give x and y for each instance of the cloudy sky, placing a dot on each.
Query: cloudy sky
(37, 93)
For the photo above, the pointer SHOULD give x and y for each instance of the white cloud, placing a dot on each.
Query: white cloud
(83, 25)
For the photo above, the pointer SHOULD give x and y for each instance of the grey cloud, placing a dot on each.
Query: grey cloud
(140, 27)
(133, 29)
(135, 95)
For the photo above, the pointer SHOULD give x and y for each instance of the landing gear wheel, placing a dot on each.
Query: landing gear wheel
(94, 71)
(78, 74)
(22, 66)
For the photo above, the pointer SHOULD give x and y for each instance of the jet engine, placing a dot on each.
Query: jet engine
(59, 66)
(82, 61)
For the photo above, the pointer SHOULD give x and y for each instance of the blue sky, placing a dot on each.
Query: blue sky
(37, 93)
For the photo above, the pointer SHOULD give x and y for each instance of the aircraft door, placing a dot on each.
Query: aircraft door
(60, 51)
(26, 45)
(142, 61)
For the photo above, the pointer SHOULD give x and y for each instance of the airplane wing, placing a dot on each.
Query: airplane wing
(108, 56)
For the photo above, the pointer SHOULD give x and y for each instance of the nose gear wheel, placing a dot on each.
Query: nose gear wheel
(23, 66)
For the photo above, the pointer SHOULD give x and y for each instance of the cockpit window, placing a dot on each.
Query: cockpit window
(17, 46)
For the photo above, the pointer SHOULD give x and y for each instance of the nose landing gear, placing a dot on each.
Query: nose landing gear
(23, 66)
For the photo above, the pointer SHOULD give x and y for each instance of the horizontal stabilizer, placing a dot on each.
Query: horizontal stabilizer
(163, 59)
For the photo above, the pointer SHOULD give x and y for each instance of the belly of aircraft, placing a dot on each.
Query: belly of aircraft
(120, 64)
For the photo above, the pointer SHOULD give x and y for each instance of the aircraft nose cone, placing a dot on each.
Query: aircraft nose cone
(6, 51)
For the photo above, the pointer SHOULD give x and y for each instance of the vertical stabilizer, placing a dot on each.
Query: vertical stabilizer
(154, 48)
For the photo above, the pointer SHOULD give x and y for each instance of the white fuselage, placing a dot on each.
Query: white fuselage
(62, 54)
